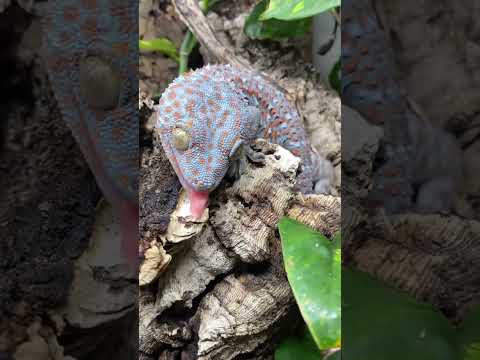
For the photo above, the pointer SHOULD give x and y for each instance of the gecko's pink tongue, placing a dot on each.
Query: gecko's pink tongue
(198, 203)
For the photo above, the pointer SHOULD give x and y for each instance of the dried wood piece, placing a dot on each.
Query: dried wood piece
(192, 15)
(239, 314)
(198, 293)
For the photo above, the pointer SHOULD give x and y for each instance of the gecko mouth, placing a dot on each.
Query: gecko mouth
(198, 202)
(198, 199)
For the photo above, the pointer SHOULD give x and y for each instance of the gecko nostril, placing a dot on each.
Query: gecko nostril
(99, 83)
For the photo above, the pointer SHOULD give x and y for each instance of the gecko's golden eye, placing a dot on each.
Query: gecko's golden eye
(99, 83)
(181, 139)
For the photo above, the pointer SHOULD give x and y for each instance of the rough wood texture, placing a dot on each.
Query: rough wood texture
(191, 14)
(435, 258)
(225, 293)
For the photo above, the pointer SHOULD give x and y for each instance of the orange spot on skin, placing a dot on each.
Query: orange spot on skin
(177, 116)
(191, 106)
(189, 123)
(364, 50)
(201, 161)
(350, 66)
(168, 109)
(189, 91)
(90, 26)
(71, 14)
(271, 127)
(117, 134)
(89, 4)
(172, 95)
(209, 160)
(122, 49)
(195, 172)
(176, 104)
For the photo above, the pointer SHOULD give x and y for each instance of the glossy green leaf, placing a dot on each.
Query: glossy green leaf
(295, 348)
(297, 9)
(381, 323)
(162, 45)
(273, 28)
(469, 335)
(313, 267)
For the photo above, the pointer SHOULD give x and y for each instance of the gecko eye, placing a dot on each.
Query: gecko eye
(181, 139)
(99, 83)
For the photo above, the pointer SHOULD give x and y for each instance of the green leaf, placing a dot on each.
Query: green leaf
(313, 267)
(469, 335)
(163, 45)
(297, 9)
(380, 323)
(295, 348)
(273, 29)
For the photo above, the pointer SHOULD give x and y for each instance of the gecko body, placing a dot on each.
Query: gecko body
(205, 115)
(423, 167)
(91, 53)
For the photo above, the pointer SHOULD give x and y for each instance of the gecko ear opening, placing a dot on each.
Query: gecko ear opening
(99, 83)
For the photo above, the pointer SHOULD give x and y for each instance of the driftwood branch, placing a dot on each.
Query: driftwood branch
(191, 14)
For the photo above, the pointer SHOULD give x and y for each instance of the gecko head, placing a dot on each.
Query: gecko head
(108, 132)
(200, 127)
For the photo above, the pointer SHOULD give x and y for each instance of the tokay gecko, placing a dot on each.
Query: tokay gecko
(204, 117)
(423, 168)
(91, 54)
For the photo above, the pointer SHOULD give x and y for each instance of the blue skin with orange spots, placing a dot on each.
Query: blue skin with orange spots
(74, 30)
(218, 108)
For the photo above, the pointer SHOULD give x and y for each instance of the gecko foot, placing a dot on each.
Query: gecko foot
(239, 160)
